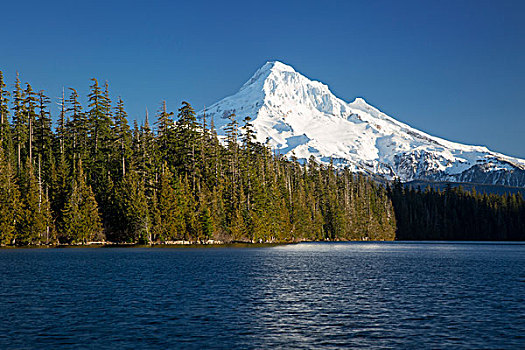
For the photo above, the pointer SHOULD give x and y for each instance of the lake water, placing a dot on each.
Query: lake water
(311, 295)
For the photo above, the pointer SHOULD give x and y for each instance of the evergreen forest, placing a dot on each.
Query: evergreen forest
(86, 175)
(456, 214)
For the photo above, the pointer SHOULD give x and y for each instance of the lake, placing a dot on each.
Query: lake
(309, 295)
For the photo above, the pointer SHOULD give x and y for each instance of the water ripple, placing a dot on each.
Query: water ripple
(305, 296)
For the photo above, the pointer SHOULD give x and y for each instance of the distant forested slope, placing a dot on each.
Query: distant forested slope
(456, 214)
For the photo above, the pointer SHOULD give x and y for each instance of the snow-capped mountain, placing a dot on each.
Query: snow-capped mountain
(301, 117)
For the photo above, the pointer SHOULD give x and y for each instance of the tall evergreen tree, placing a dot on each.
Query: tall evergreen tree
(186, 137)
(170, 225)
(9, 202)
(76, 129)
(30, 104)
(134, 221)
(81, 219)
(44, 137)
(35, 225)
(19, 122)
(122, 138)
(165, 132)
(4, 112)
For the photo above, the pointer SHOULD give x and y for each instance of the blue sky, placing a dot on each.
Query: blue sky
(455, 69)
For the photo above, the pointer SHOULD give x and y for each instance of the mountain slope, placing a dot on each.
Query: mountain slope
(301, 117)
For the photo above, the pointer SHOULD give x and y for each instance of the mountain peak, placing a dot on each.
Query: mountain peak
(359, 101)
(278, 66)
(269, 68)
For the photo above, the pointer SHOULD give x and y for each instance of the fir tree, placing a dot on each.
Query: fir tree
(30, 104)
(20, 122)
(164, 132)
(4, 111)
(76, 129)
(81, 220)
(186, 138)
(133, 210)
(170, 225)
(35, 224)
(122, 138)
(9, 202)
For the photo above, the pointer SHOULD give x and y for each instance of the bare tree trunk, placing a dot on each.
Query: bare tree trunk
(39, 184)
(19, 151)
(1, 126)
(193, 165)
(30, 140)
(123, 160)
(47, 224)
(63, 112)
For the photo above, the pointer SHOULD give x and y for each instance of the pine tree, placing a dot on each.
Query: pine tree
(170, 226)
(100, 123)
(4, 111)
(122, 139)
(133, 210)
(248, 136)
(205, 223)
(61, 127)
(35, 223)
(186, 141)
(9, 202)
(165, 132)
(30, 104)
(43, 136)
(76, 129)
(60, 185)
(19, 122)
(145, 156)
(81, 220)
(155, 228)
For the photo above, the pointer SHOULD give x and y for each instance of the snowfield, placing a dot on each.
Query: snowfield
(297, 116)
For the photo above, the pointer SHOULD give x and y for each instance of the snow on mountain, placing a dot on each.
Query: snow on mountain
(301, 117)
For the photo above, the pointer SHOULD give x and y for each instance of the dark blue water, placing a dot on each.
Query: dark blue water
(326, 295)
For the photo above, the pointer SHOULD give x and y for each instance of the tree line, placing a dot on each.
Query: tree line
(88, 175)
(456, 214)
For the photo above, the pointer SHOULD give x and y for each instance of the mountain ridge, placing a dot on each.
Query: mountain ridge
(301, 117)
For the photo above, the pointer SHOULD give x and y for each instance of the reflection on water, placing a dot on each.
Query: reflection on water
(310, 295)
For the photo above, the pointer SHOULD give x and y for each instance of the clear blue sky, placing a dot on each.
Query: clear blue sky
(455, 69)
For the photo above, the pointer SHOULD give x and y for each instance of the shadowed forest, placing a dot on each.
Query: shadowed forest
(456, 214)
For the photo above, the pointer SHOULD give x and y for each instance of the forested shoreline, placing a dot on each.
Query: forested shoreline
(90, 176)
(457, 214)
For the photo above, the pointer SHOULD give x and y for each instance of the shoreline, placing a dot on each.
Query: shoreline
(238, 244)
(157, 245)
(174, 244)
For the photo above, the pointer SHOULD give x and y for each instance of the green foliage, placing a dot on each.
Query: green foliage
(9, 202)
(455, 214)
(75, 129)
(4, 113)
(35, 223)
(205, 223)
(170, 225)
(121, 150)
(185, 141)
(164, 132)
(20, 123)
(81, 220)
(132, 212)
